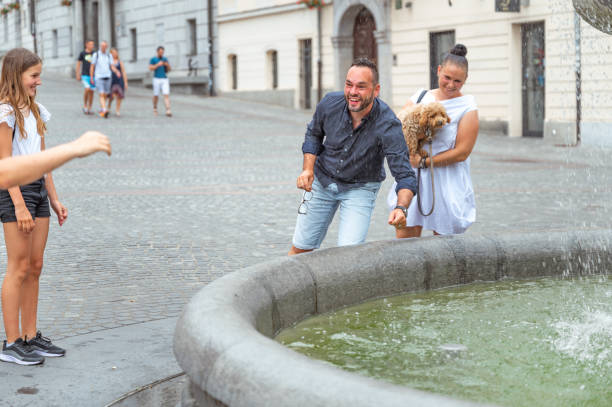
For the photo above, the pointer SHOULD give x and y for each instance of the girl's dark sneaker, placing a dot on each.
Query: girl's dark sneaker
(44, 347)
(20, 352)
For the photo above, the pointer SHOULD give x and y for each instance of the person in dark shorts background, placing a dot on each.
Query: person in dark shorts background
(119, 82)
(82, 75)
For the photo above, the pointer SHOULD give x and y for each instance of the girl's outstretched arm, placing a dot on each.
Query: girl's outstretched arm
(22, 170)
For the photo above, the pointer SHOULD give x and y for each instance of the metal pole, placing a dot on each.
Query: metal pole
(211, 50)
(578, 70)
(33, 25)
(320, 57)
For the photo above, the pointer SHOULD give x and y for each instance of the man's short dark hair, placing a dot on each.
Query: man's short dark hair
(365, 62)
(160, 47)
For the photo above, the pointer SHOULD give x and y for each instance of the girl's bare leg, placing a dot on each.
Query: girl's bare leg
(29, 288)
(118, 106)
(408, 231)
(18, 250)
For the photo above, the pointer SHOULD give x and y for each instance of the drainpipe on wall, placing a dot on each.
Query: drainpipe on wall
(33, 25)
(578, 69)
(211, 49)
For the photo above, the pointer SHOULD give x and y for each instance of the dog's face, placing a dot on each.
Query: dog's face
(440, 119)
(433, 116)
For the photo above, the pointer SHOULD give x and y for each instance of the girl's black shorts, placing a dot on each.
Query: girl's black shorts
(35, 197)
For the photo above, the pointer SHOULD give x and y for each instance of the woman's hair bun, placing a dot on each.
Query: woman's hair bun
(459, 49)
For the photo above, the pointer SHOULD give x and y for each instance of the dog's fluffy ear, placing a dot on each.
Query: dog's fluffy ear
(423, 119)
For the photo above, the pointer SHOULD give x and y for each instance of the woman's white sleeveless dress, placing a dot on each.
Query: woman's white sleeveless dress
(455, 207)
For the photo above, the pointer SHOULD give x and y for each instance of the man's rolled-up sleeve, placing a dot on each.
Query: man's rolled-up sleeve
(398, 157)
(313, 140)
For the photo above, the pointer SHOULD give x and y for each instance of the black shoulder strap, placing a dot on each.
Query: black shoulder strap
(421, 96)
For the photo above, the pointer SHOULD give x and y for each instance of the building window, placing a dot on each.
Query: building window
(17, 28)
(70, 41)
(272, 71)
(134, 43)
(398, 4)
(54, 44)
(6, 30)
(439, 44)
(192, 38)
(232, 62)
(41, 41)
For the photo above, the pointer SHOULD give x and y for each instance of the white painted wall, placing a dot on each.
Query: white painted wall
(494, 52)
(250, 37)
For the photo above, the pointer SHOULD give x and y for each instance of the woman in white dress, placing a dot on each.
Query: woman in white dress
(455, 209)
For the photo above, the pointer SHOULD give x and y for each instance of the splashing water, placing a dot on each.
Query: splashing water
(586, 339)
(545, 342)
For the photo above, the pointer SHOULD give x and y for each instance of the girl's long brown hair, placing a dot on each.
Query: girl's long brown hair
(14, 64)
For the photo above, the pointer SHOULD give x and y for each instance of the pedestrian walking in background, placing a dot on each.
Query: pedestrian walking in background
(119, 82)
(82, 74)
(100, 72)
(24, 211)
(160, 66)
(345, 146)
(455, 207)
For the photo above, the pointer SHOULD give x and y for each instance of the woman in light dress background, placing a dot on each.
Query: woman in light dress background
(455, 208)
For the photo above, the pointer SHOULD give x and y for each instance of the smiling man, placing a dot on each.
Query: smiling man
(344, 149)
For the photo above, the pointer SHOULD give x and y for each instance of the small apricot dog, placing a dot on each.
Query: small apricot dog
(416, 120)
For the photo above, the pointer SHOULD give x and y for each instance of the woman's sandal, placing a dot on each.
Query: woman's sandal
(168, 113)
(154, 112)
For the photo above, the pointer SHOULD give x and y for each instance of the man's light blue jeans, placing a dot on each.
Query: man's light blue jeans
(356, 206)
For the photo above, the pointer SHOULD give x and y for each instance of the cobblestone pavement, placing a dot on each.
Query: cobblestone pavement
(187, 199)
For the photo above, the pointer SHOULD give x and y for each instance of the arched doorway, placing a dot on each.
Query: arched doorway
(364, 42)
(361, 28)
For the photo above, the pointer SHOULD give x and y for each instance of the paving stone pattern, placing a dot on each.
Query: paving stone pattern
(187, 199)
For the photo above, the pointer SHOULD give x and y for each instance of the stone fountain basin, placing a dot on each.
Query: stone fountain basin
(223, 339)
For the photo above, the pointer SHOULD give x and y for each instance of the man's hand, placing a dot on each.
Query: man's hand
(91, 142)
(397, 218)
(305, 180)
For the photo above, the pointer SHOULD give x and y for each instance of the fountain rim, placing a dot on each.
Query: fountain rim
(224, 337)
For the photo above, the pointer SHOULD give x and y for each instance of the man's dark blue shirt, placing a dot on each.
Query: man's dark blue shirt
(351, 157)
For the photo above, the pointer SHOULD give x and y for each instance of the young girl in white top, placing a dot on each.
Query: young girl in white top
(455, 208)
(24, 211)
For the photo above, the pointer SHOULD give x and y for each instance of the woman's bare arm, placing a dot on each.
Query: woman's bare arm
(467, 132)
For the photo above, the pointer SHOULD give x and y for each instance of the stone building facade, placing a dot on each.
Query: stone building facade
(57, 30)
(524, 63)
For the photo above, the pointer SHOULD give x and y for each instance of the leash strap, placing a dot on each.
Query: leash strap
(431, 166)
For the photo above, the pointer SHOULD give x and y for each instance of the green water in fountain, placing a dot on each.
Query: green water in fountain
(545, 342)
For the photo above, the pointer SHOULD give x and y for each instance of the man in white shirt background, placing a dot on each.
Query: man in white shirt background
(100, 74)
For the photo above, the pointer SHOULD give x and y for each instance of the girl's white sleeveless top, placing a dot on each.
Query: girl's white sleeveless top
(31, 143)
(455, 207)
